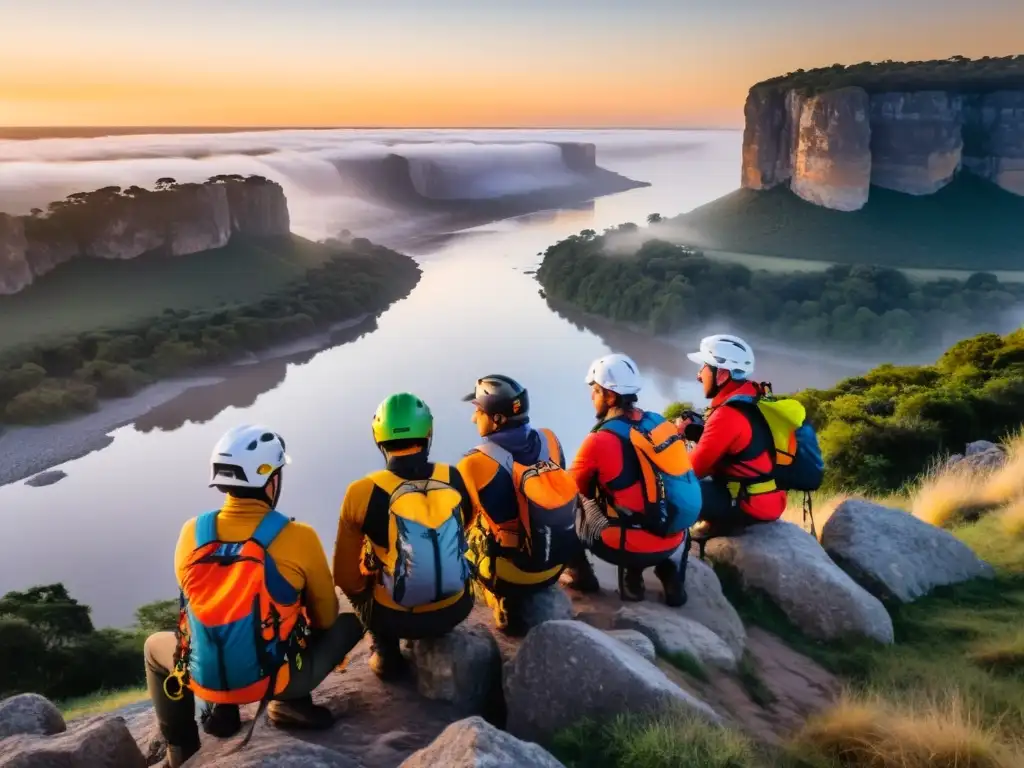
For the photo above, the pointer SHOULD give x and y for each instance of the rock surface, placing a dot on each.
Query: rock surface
(547, 605)
(981, 455)
(573, 658)
(789, 566)
(916, 140)
(98, 742)
(638, 641)
(766, 152)
(672, 633)
(994, 138)
(46, 478)
(832, 160)
(29, 713)
(184, 219)
(475, 743)
(462, 668)
(894, 555)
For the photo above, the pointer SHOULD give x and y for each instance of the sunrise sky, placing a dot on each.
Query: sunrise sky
(656, 63)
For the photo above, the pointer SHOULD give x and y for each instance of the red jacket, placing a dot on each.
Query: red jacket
(728, 432)
(603, 458)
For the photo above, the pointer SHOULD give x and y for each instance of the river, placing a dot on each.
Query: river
(108, 529)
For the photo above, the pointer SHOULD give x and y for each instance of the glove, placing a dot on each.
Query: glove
(690, 425)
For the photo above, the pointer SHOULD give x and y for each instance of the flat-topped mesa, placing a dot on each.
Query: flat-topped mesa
(833, 133)
(110, 223)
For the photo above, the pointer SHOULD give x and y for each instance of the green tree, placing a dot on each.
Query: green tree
(654, 218)
(57, 616)
(158, 616)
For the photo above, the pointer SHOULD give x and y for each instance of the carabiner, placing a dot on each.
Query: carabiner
(179, 694)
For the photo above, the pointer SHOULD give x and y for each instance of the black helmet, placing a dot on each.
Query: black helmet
(498, 395)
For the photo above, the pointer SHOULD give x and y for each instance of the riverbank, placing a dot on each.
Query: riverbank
(25, 451)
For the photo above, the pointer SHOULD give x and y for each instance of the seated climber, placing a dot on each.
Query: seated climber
(400, 554)
(634, 465)
(524, 502)
(241, 565)
(734, 455)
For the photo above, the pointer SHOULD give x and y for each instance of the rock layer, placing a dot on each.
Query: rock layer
(830, 147)
(832, 159)
(110, 224)
(916, 140)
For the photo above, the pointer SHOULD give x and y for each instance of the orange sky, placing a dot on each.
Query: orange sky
(657, 63)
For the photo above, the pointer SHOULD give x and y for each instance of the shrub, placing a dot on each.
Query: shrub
(51, 400)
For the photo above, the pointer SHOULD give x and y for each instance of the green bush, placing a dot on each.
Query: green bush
(668, 288)
(51, 400)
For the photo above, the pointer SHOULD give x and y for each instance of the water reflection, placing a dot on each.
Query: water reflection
(242, 385)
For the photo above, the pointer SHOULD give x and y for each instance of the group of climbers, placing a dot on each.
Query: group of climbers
(418, 540)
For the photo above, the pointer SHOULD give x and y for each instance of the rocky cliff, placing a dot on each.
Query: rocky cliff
(111, 223)
(832, 134)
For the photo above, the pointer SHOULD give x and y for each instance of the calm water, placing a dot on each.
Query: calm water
(108, 530)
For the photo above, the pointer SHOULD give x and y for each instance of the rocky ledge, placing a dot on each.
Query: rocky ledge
(478, 698)
(113, 223)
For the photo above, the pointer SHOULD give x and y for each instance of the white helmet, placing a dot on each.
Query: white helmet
(246, 456)
(724, 351)
(617, 373)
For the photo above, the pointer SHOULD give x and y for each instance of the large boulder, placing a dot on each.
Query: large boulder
(546, 605)
(282, 752)
(981, 456)
(97, 742)
(673, 633)
(475, 743)
(638, 641)
(894, 555)
(30, 713)
(566, 671)
(787, 564)
(707, 604)
(462, 667)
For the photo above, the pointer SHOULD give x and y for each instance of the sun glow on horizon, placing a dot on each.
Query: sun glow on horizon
(456, 63)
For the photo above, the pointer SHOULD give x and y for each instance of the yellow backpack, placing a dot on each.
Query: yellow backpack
(425, 560)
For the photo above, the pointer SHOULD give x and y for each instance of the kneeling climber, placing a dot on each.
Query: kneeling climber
(259, 619)
(524, 502)
(751, 447)
(635, 466)
(400, 554)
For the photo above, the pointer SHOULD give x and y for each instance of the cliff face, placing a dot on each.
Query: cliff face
(111, 224)
(832, 155)
(832, 146)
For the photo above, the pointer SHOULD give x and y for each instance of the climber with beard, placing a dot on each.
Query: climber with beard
(734, 455)
(524, 502)
(225, 652)
(642, 494)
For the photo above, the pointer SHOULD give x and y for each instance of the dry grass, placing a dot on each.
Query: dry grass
(100, 702)
(948, 497)
(872, 732)
(1001, 654)
(1011, 519)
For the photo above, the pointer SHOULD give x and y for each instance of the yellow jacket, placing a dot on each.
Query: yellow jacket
(297, 551)
(364, 522)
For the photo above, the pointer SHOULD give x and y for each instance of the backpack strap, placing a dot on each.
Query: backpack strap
(206, 528)
(497, 454)
(442, 474)
(549, 447)
(386, 480)
(270, 526)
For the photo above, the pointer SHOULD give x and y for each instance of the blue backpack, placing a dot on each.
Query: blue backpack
(671, 490)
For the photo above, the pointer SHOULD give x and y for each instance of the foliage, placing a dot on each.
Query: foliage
(956, 73)
(67, 376)
(158, 616)
(669, 287)
(51, 647)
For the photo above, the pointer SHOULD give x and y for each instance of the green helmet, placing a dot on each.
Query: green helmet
(402, 416)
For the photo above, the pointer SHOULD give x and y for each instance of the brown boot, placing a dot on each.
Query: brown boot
(672, 579)
(386, 659)
(299, 714)
(177, 756)
(581, 576)
(631, 584)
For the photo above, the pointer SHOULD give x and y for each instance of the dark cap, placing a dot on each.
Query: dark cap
(498, 395)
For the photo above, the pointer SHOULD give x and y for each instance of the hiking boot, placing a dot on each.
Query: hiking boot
(631, 585)
(672, 578)
(299, 714)
(221, 720)
(581, 575)
(177, 756)
(386, 660)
